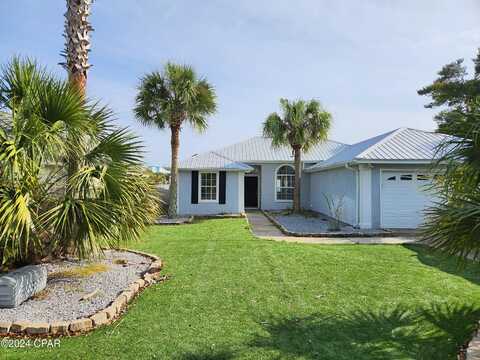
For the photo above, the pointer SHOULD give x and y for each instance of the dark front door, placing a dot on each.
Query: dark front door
(251, 191)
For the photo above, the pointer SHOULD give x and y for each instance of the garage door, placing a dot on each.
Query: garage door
(404, 196)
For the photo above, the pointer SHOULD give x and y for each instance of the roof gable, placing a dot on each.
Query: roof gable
(212, 160)
(405, 144)
(402, 144)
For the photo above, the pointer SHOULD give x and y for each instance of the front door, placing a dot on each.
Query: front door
(251, 192)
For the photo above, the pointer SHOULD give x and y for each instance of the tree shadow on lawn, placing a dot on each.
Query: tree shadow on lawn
(435, 258)
(221, 354)
(434, 332)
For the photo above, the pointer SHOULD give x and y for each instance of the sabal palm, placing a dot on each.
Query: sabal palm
(77, 41)
(170, 99)
(45, 209)
(453, 221)
(301, 125)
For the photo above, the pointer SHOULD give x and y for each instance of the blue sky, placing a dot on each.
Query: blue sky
(364, 60)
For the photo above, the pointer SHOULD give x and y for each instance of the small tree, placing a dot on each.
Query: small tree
(301, 125)
(45, 209)
(170, 99)
(457, 95)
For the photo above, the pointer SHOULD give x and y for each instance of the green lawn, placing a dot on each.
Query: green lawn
(234, 296)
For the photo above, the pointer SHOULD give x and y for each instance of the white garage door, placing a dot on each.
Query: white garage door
(404, 197)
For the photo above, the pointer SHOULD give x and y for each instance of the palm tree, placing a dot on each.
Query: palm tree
(77, 42)
(172, 98)
(301, 125)
(453, 221)
(107, 198)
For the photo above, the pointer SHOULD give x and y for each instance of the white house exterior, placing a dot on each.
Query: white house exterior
(382, 181)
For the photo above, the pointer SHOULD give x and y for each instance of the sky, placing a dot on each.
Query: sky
(364, 60)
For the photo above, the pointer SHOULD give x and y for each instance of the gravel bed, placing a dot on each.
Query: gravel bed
(313, 224)
(61, 299)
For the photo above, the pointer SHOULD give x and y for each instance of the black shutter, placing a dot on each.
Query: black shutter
(222, 187)
(194, 187)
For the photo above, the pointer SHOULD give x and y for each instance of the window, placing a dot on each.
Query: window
(285, 183)
(407, 177)
(208, 186)
(392, 178)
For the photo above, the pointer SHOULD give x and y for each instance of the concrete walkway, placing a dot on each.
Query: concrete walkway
(261, 226)
(264, 229)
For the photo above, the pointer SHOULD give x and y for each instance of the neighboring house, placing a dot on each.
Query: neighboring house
(382, 181)
(159, 169)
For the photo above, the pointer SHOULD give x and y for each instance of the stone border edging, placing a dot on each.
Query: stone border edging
(102, 317)
(287, 232)
(191, 218)
(221, 216)
(186, 220)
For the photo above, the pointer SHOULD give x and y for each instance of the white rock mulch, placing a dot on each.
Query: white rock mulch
(61, 299)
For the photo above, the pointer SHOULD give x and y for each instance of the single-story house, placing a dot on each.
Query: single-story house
(382, 182)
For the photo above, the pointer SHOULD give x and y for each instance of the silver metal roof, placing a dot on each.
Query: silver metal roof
(259, 149)
(256, 149)
(212, 160)
(403, 144)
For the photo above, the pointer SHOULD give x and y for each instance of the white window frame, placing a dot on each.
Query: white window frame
(275, 182)
(200, 200)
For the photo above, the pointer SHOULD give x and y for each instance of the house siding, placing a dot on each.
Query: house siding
(267, 188)
(233, 191)
(335, 183)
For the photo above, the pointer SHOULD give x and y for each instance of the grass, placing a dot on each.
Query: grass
(232, 296)
(79, 271)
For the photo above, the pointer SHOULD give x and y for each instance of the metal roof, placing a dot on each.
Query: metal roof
(403, 144)
(212, 160)
(259, 149)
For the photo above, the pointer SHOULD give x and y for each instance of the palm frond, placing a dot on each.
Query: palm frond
(103, 200)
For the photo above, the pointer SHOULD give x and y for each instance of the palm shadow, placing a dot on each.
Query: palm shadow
(222, 354)
(469, 270)
(433, 332)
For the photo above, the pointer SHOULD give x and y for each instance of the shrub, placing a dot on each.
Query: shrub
(70, 181)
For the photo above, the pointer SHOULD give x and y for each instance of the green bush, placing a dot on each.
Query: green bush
(70, 181)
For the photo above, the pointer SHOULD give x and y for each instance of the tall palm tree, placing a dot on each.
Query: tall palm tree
(77, 42)
(301, 125)
(170, 99)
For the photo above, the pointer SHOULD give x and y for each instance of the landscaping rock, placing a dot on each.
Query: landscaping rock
(59, 328)
(19, 326)
(21, 284)
(38, 329)
(5, 327)
(111, 312)
(148, 279)
(156, 266)
(81, 325)
(129, 294)
(119, 303)
(134, 287)
(99, 318)
(140, 282)
(61, 299)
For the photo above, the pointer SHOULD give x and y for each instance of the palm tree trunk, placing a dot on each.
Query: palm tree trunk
(298, 178)
(77, 42)
(172, 196)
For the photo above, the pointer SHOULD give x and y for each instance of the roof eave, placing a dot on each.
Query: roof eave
(370, 161)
